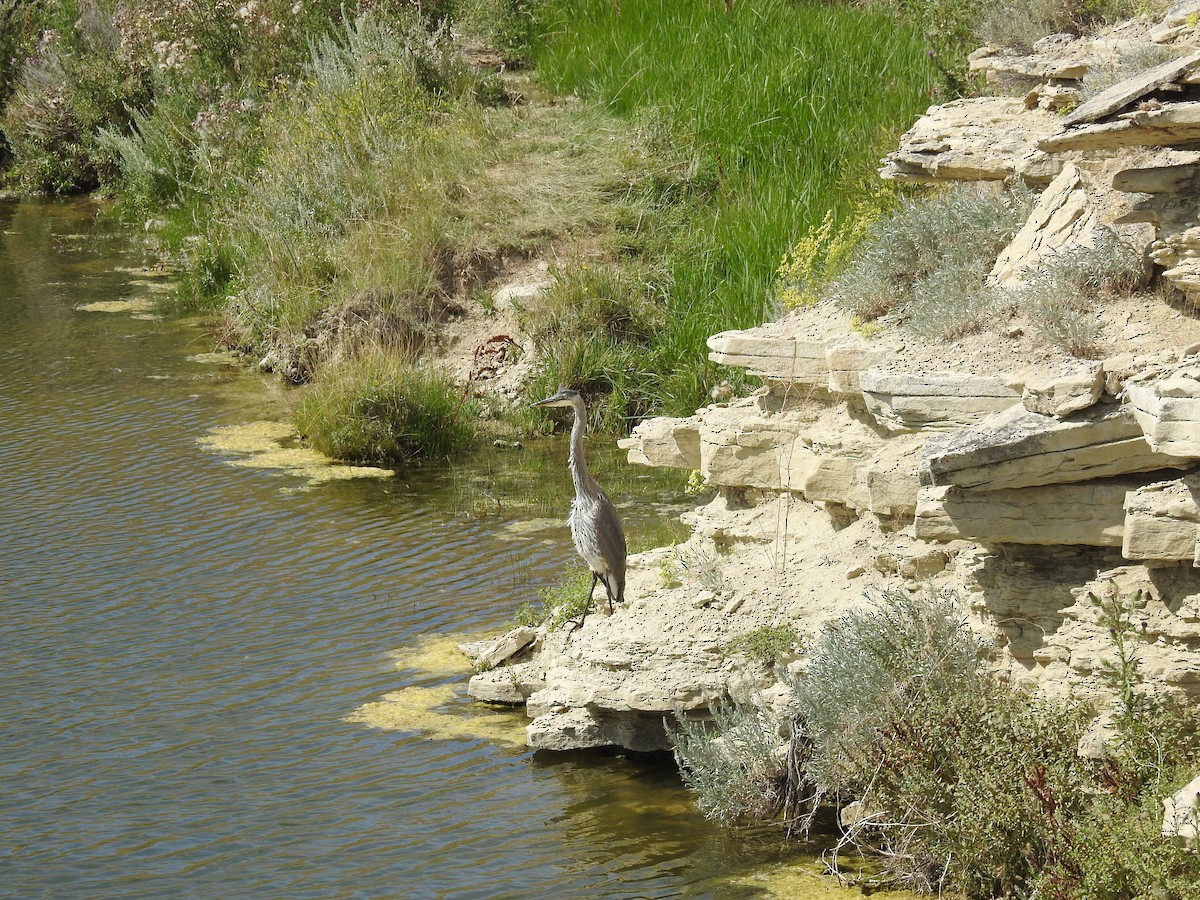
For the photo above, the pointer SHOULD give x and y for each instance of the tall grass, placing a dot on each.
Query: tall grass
(353, 204)
(781, 109)
(377, 408)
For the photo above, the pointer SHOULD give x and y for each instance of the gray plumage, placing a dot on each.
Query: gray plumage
(595, 527)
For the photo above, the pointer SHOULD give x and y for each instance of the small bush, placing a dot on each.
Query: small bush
(1061, 316)
(560, 602)
(766, 645)
(75, 81)
(380, 409)
(702, 565)
(819, 257)
(966, 784)
(870, 667)
(1063, 296)
(733, 762)
(926, 263)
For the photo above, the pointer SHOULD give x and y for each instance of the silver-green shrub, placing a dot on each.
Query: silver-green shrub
(870, 667)
(926, 264)
(736, 762)
(1064, 295)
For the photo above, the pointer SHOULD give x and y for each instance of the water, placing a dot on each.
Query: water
(183, 641)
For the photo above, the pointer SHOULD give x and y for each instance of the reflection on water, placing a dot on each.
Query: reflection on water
(185, 645)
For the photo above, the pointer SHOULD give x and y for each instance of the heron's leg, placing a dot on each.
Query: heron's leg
(608, 591)
(587, 605)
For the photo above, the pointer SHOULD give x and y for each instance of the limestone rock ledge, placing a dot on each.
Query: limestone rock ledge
(1018, 477)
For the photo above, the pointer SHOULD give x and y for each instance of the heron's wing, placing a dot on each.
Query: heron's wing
(612, 538)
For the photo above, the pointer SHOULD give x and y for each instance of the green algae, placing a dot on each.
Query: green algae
(273, 446)
(441, 711)
(133, 305)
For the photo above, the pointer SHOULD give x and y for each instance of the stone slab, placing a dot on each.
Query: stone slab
(1123, 93)
(1176, 125)
(974, 139)
(783, 358)
(1090, 513)
(906, 401)
(664, 442)
(1161, 521)
(1063, 217)
(1020, 449)
(1168, 412)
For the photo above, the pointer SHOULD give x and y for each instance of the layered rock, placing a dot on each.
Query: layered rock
(1168, 411)
(1020, 449)
(1064, 217)
(980, 139)
(1091, 513)
(1162, 521)
(911, 401)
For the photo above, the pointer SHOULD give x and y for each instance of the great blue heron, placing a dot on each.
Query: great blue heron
(595, 528)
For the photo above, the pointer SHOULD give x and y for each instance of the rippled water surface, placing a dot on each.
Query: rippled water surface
(183, 640)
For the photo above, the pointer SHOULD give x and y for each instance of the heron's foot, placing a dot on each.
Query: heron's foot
(575, 625)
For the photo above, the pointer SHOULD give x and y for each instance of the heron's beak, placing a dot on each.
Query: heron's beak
(557, 400)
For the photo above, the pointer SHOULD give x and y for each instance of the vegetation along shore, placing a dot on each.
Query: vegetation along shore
(942, 589)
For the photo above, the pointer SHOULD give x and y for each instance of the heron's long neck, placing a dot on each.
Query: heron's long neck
(578, 465)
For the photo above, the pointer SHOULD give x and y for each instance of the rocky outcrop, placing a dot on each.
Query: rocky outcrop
(1021, 449)
(1161, 521)
(982, 139)
(1064, 217)
(1023, 479)
(911, 401)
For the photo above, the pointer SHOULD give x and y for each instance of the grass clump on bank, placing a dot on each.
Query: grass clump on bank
(767, 645)
(696, 142)
(378, 408)
(561, 602)
(959, 783)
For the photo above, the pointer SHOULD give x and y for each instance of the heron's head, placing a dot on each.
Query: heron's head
(564, 397)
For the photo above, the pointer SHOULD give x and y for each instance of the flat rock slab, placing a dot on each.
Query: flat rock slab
(1064, 217)
(1020, 449)
(1123, 93)
(664, 441)
(910, 401)
(1168, 412)
(1090, 513)
(1175, 125)
(578, 728)
(1067, 394)
(975, 139)
(487, 654)
(1068, 59)
(779, 357)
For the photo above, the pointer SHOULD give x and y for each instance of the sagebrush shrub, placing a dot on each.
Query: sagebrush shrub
(926, 264)
(1065, 293)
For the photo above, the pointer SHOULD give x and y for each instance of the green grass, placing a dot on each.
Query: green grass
(766, 645)
(561, 602)
(774, 111)
(697, 145)
(377, 408)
